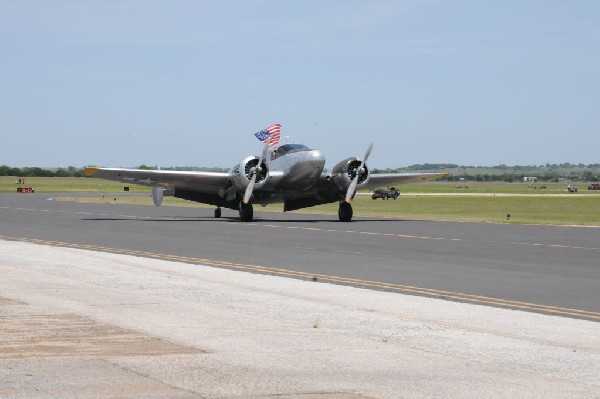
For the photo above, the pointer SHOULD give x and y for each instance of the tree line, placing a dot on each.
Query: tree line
(35, 171)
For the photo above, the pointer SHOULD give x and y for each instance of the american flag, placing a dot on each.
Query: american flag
(273, 132)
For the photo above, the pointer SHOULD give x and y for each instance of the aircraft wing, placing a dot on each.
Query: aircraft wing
(206, 182)
(390, 179)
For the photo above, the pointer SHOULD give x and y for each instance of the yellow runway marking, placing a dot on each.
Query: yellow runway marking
(456, 296)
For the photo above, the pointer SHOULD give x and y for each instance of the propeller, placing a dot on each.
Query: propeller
(354, 182)
(254, 171)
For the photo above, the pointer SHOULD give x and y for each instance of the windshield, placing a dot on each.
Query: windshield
(289, 148)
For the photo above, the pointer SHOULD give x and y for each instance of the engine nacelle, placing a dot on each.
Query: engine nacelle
(241, 174)
(343, 173)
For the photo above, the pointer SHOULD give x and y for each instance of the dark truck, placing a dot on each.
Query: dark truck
(385, 193)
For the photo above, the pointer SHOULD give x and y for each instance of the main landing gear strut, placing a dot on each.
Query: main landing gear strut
(345, 211)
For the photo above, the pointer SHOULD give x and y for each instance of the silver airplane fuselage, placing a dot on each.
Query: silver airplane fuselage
(298, 170)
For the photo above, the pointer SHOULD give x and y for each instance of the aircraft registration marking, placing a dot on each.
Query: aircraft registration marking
(428, 292)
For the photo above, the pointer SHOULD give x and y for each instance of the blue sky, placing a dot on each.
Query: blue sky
(121, 83)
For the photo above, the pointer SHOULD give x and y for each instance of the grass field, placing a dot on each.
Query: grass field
(427, 201)
(64, 184)
(526, 210)
(493, 188)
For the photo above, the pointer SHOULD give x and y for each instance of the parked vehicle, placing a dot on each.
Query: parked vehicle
(385, 193)
(571, 189)
(594, 186)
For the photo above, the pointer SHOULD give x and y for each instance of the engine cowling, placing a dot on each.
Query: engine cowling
(343, 173)
(241, 174)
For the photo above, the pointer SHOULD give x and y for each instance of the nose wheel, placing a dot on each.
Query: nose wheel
(217, 213)
(345, 211)
(246, 212)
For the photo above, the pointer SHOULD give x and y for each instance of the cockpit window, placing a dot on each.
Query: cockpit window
(289, 148)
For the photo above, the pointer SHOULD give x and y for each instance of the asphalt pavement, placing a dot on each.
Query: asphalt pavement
(547, 269)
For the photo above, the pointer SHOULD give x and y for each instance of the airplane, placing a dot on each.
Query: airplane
(292, 174)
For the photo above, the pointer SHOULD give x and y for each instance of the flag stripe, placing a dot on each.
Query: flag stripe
(271, 133)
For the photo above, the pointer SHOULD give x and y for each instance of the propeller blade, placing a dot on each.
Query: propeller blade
(351, 189)
(250, 188)
(263, 153)
(369, 149)
(354, 182)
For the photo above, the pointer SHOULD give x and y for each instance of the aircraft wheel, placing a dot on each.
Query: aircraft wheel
(217, 213)
(345, 212)
(246, 212)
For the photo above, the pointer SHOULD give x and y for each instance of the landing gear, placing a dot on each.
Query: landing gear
(345, 212)
(246, 212)
(217, 213)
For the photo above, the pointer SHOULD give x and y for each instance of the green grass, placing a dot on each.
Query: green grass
(124, 199)
(533, 209)
(526, 210)
(529, 210)
(491, 188)
(65, 184)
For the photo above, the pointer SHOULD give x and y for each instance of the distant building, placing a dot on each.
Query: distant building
(529, 179)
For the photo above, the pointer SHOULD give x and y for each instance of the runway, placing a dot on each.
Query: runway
(553, 270)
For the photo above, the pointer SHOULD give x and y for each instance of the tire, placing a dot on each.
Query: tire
(345, 212)
(217, 213)
(246, 212)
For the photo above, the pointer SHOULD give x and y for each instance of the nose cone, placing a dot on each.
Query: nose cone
(316, 157)
(306, 169)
